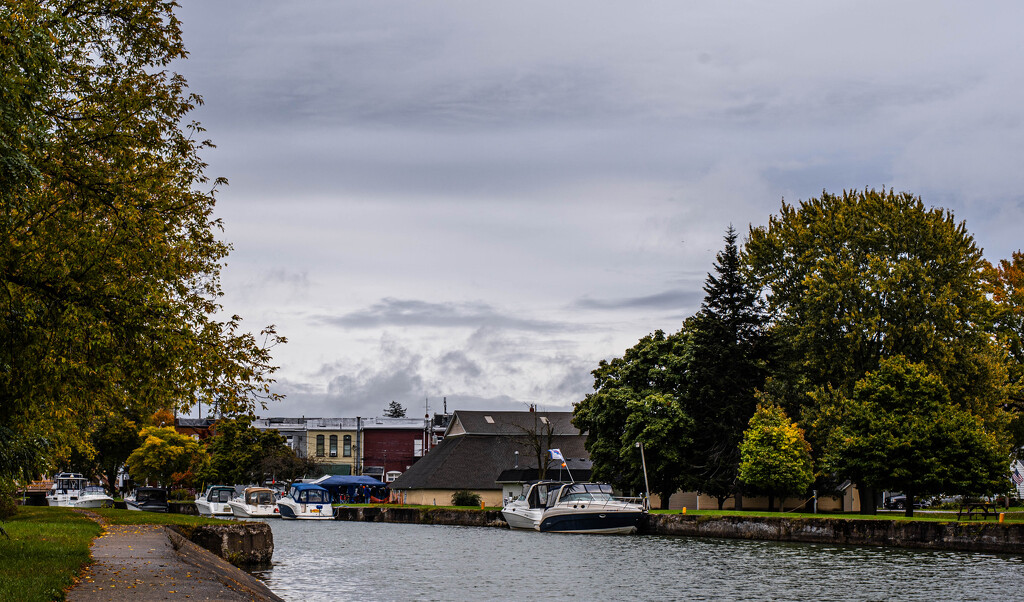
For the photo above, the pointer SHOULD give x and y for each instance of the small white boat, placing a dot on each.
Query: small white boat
(306, 501)
(214, 501)
(255, 502)
(94, 496)
(148, 499)
(69, 489)
(573, 508)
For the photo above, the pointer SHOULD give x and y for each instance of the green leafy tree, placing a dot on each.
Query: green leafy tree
(238, 451)
(109, 256)
(394, 410)
(651, 367)
(855, 278)
(726, 362)
(1007, 279)
(164, 453)
(665, 430)
(114, 437)
(774, 456)
(900, 432)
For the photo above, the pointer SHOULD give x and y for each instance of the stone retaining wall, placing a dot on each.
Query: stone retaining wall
(244, 544)
(968, 536)
(423, 516)
(933, 535)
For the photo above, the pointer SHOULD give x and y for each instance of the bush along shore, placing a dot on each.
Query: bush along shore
(940, 533)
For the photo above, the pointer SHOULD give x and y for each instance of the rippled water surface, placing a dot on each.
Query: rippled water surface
(328, 560)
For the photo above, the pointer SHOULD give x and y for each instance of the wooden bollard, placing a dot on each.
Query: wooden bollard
(684, 509)
(1001, 516)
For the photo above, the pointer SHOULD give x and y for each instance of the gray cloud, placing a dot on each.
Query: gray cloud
(409, 312)
(678, 300)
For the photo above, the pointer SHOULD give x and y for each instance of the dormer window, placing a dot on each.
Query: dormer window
(489, 420)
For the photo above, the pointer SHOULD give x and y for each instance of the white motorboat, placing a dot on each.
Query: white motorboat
(255, 502)
(306, 501)
(574, 508)
(149, 499)
(214, 501)
(69, 489)
(526, 511)
(94, 496)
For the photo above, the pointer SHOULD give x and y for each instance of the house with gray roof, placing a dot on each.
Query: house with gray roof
(479, 446)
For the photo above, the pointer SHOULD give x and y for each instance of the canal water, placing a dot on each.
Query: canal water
(328, 560)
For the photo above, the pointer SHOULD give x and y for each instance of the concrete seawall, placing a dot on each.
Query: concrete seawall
(423, 516)
(243, 544)
(966, 536)
(990, 537)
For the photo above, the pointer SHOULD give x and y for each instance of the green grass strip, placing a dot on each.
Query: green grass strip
(135, 517)
(47, 549)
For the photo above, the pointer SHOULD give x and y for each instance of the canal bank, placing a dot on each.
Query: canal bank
(991, 537)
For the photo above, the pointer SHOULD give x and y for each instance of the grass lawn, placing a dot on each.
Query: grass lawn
(47, 549)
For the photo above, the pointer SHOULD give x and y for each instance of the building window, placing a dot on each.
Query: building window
(289, 441)
(320, 445)
(347, 450)
(334, 446)
(417, 448)
(392, 475)
(488, 420)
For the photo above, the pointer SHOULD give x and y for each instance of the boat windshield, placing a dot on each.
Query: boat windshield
(94, 490)
(69, 484)
(586, 492)
(151, 495)
(260, 498)
(313, 496)
(222, 496)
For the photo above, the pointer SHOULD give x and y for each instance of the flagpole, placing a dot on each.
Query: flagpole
(556, 454)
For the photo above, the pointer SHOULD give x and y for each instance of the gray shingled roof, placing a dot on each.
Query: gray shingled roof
(513, 423)
(475, 461)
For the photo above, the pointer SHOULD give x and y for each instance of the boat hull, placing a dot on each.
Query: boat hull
(145, 507)
(241, 510)
(206, 508)
(522, 518)
(305, 511)
(608, 522)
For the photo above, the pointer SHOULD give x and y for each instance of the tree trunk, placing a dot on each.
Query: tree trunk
(739, 501)
(721, 502)
(909, 511)
(771, 502)
(664, 500)
(867, 500)
(782, 503)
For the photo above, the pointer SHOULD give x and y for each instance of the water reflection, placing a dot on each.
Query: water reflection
(376, 561)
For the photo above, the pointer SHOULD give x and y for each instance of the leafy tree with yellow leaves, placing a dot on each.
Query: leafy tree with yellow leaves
(165, 452)
(775, 459)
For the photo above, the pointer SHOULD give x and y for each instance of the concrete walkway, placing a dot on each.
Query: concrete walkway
(148, 562)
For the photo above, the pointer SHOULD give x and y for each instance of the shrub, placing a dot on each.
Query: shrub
(465, 497)
(8, 499)
(181, 495)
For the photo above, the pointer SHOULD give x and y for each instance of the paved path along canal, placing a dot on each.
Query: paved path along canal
(140, 562)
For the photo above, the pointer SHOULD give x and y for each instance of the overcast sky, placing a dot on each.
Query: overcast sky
(482, 200)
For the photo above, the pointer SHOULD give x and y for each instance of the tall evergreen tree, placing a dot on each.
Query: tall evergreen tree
(726, 362)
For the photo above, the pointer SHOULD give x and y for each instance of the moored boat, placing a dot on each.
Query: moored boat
(148, 499)
(589, 508)
(94, 496)
(214, 501)
(526, 511)
(255, 502)
(306, 501)
(573, 508)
